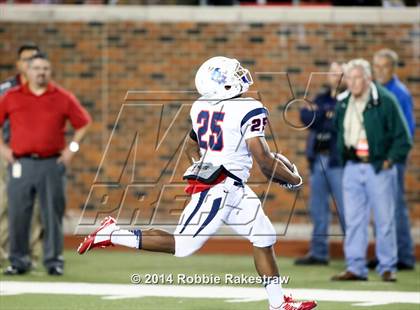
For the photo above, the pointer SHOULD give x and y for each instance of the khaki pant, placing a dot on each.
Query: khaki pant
(36, 233)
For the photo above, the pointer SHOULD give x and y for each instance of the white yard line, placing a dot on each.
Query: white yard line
(229, 293)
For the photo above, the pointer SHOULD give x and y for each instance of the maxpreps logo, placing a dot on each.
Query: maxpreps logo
(139, 179)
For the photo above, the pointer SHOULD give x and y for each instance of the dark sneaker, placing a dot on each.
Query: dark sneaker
(55, 271)
(310, 260)
(389, 276)
(13, 271)
(372, 263)
(404, 266)
(348, 276)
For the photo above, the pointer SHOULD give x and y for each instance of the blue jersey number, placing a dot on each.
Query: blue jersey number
(258, 125)
(215, 142)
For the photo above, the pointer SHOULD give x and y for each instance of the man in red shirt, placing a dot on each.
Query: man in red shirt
(38, 157)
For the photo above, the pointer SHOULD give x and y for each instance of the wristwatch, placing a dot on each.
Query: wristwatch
(74, 146)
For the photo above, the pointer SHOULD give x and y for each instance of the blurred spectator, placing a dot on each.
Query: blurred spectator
(326, 173)
(25, 52)
(385, 63)
(38, 158)
(372, 137)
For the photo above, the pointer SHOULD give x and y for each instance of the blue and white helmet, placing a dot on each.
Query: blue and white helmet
(222, 78)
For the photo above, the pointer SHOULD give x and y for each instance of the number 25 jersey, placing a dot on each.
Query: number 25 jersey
(222, 128)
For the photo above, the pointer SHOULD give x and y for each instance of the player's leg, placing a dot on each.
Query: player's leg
(248, 216)
(203, 218)
(157, 240)
(249, 221)
(265, 261)
(199, 220)
(266, 266)
(154, 240)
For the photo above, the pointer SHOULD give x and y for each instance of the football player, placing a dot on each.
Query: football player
(227, 133)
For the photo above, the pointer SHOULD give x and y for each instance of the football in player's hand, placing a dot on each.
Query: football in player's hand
(292, 168)
(284, 160)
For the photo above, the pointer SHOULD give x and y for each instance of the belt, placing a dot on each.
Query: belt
(237, 181)
(362, 159)
(350, 154)
(36, 156)
(239, 184)
(324, 152)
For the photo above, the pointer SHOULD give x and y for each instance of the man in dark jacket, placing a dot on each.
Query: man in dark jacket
(326, 173)
(385, 63)
(372, 137)
(24, 52)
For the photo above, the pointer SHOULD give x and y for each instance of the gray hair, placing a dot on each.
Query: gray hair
(359, 63)
(389, 54)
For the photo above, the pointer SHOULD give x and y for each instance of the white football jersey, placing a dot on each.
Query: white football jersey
(222, 129)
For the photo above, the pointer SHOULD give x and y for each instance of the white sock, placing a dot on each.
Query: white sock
(275, 294)
(128, 238)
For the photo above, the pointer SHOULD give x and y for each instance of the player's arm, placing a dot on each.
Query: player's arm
(191, 148)
(269, 165)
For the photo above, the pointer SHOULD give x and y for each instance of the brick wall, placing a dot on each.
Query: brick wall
(100, 62)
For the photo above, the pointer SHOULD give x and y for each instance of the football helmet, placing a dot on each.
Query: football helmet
(222, 78)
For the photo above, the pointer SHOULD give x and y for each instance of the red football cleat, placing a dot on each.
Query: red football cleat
(101, 237)
(290, 304)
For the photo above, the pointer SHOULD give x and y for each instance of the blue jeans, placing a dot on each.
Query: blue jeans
(326, 183)
(404, 240)
(365, 191)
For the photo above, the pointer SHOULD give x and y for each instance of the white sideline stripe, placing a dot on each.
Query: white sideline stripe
(230, 293)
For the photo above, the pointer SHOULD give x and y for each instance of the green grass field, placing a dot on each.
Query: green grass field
(117, 267)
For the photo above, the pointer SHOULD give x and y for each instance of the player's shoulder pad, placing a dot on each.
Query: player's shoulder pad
(249, 104)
